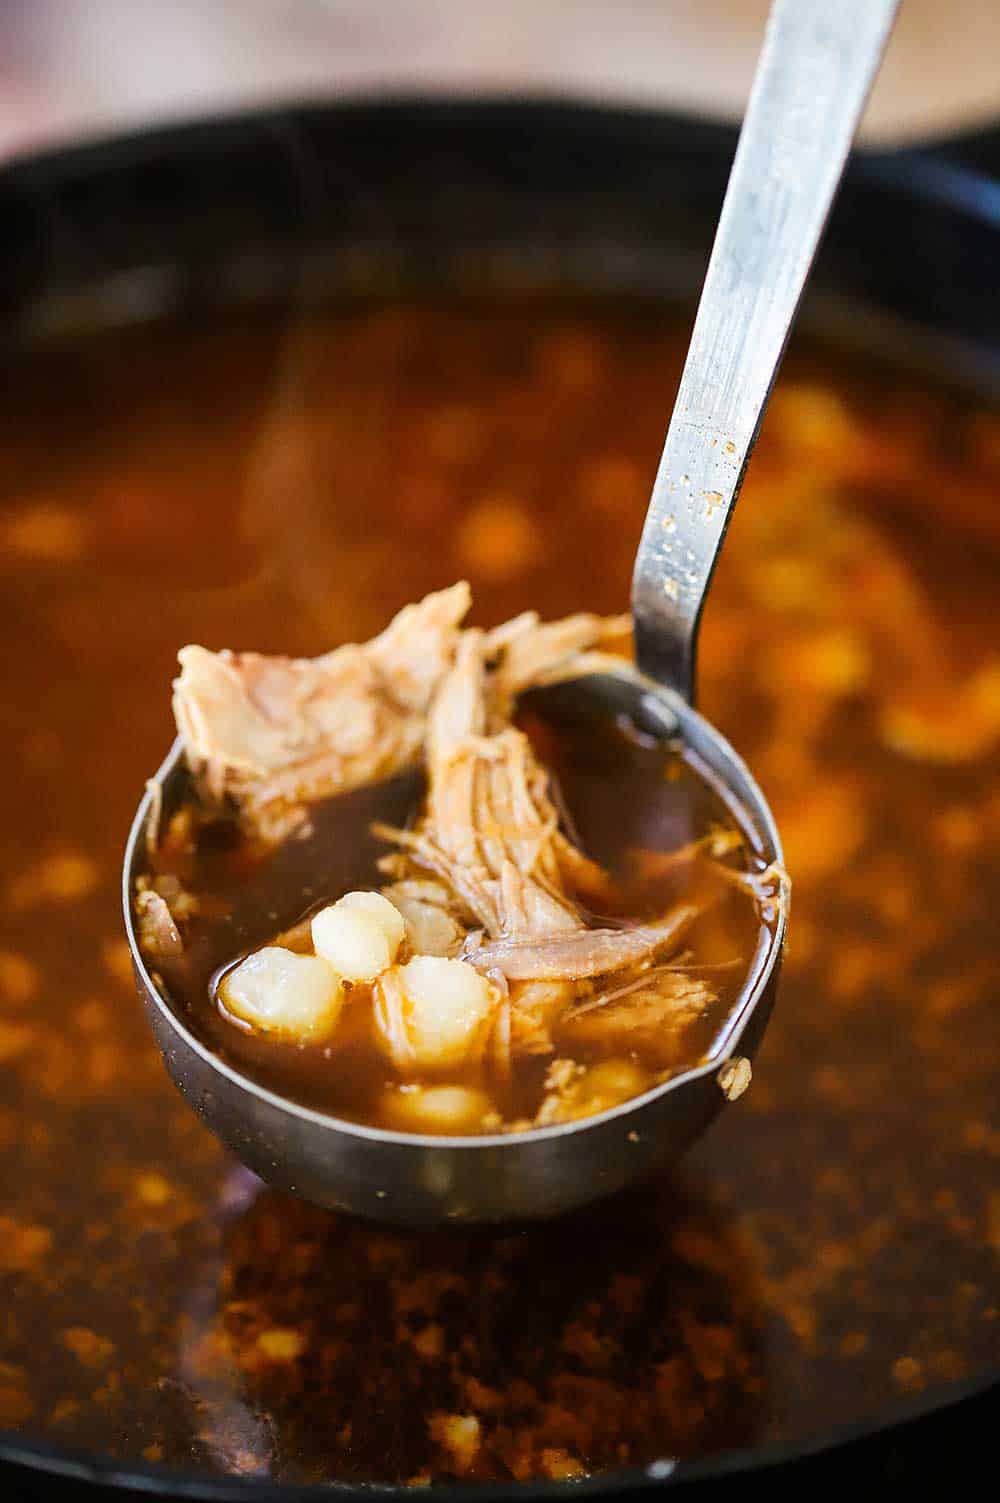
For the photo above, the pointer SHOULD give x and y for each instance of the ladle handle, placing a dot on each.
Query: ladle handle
(815, 70)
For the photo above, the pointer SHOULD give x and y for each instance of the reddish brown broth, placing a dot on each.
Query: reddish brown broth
(833, 1245)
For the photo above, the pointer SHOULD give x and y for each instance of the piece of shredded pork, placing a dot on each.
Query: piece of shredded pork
(490, 829)
(584, 953)
(648, 1015)
(161, 908)
(158, 935)
(274, 734)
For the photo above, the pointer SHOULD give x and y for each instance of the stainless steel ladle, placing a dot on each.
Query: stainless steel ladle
(816, 67)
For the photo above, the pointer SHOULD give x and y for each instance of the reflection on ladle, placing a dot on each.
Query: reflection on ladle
(317, 1348)
(810, 87)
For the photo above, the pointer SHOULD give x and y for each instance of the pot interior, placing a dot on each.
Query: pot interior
(268, 415)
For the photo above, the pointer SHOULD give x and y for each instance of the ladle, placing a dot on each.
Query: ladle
(816, 67)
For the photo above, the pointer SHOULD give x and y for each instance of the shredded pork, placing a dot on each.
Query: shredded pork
(488, 872)
(490, 836)
(584, 953)
(646, 1015)
(274, 734)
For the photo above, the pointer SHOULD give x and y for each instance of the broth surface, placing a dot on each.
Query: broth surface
(833, 1244)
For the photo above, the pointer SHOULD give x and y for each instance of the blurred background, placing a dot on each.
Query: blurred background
(72, 68)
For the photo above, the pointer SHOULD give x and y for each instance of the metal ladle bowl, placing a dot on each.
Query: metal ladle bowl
(409, 1177)
(812, 80)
